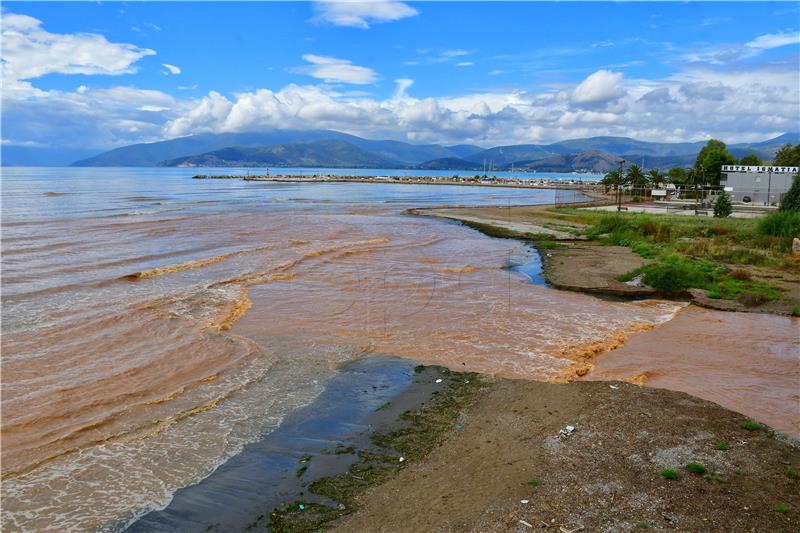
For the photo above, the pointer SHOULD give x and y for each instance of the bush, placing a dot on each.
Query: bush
(723, 207)
(677, 273)
(669, 473)
(696, 468)
(791, 200)
(740, 274)
(784, 224)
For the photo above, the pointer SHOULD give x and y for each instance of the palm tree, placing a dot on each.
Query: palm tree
(656, 178)
(636, 177)
(611, 179)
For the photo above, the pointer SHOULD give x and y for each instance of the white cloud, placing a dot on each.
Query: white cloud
(171, 69)
(402, 85)
(360, 14)
(29, 52)
(730, 53)
(736, 106)
(455, 53)
(600, 87)
(774, 40)
(332, 70)
(465, 64)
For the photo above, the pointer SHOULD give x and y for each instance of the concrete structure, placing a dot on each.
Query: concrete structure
(757, 182)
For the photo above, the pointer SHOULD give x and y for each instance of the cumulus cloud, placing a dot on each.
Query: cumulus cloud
(29, 51)
(171, 69)
(733, 105)
(360, 14)
(333, 70)
(600, 87)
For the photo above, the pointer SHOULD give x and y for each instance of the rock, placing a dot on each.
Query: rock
(795, 246)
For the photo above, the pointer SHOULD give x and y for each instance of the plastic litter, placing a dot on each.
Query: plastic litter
(615, 387)
(566, 431)
(302, 507)
(439, 380)
(523, 501)
(524, 523)
(402, 459)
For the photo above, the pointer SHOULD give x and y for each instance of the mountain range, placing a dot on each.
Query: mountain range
(326, 148)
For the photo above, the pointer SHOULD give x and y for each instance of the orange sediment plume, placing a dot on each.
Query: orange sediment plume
(583, 355)
(189, 265)
(234, 311)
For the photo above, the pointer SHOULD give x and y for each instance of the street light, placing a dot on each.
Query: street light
(619, 185)
(769, 185)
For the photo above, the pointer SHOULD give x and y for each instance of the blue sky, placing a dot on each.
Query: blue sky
(108, 74)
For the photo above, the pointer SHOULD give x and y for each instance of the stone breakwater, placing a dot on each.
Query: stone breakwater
(477, 181)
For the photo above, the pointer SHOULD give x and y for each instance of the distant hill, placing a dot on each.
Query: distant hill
(449, 163)
(259, 149)
(152, 154)
(586, 161)
(322, 153)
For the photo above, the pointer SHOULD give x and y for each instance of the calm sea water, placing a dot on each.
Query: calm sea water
(154, 324)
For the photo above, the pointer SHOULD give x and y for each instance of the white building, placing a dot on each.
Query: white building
(757, 183)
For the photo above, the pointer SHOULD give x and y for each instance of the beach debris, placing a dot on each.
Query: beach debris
(636, 282)
(402, 459)
(564, 529)
(615, 387)
(302, 507)
(524, 501)
(566, 431)
(524, 523)
(439, 380)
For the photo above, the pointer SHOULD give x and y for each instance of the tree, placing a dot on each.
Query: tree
(791, 200)
(656, 178)
(710, 160)
(723, 207)
(636, 177)
(677, 175)
(788, 156)
(751, 160)
(611, 179)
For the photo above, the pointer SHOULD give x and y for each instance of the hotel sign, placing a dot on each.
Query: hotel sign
(745, 168)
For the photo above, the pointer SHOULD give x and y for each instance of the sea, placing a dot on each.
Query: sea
(153, 325)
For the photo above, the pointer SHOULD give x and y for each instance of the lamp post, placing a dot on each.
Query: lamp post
(619, 185)
(769, 185)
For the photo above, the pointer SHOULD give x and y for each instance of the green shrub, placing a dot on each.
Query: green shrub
(721, 446)
(784, 224)
(669, 473)
(677, 273)
(696, 468)
(722, 206)
(791, 200)
(750, 425)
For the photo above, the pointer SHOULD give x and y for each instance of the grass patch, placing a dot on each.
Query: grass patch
(669, 473)
(721, 446)
(550, 245)
(675, 273)
(644, 524)
(782, 508)
(750, 425)
(782, 224)
(534, 483)
(792, 474)
(696, 468)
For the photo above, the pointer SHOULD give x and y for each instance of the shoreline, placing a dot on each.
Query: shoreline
(446, 486)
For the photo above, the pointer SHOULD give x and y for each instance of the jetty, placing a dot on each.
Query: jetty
(473, 181)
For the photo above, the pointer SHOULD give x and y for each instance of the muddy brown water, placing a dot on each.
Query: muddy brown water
(154, 328)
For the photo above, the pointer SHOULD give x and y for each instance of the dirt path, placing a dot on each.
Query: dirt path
(507, 469)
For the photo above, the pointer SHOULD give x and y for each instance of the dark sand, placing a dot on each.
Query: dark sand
(604, 476)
